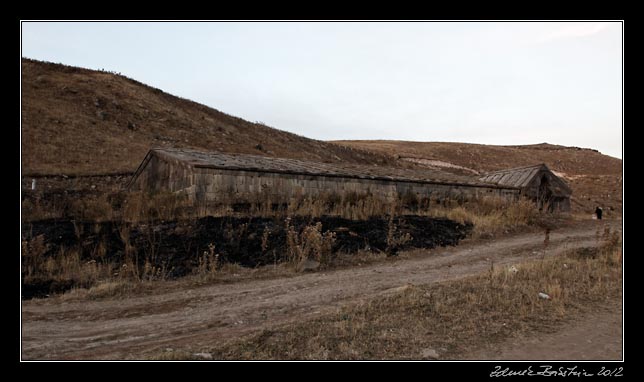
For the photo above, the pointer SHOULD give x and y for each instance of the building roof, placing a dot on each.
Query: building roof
(521, 177)
(256, 163)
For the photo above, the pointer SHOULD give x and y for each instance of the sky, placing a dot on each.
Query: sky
(476, 82)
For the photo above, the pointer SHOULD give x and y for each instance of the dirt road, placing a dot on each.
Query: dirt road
(192, 317)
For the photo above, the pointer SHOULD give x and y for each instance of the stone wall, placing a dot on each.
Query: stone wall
(163, 175)
(215, 184)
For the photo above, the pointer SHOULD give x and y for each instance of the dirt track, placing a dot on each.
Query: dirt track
(190, 317)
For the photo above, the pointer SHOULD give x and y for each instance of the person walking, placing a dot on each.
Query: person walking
(598, 213)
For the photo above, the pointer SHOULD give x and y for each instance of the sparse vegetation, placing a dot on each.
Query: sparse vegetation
(451, 317)
(138, 259)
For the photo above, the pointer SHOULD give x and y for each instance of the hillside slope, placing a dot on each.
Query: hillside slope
(596, 179)
(79, 121)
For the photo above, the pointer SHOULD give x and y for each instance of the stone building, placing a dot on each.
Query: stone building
(538, 183)
(211, 177)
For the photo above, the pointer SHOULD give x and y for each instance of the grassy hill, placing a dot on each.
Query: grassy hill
(79, 122)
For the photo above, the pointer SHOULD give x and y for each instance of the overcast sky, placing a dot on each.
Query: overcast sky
(491, 83)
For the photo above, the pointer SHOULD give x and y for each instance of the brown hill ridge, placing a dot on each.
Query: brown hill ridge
(485, 158)
(79, 121)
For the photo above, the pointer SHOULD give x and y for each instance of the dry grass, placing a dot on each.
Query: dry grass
(449, 318)
(309, 244)
(103, 289)
(65, 267)
(491, 216)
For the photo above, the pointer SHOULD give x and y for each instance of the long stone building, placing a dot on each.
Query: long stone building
(211, 177)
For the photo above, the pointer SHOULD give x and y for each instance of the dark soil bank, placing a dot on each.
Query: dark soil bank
(177, 245)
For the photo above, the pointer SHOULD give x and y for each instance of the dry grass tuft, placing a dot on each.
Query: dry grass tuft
(309, 244)
(492, 216)
(450, 317)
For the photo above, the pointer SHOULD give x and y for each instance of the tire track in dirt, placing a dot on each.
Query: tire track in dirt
(193, 317)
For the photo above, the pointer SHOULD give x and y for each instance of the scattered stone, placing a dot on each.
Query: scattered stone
(203, 355)
(429, 353)
(308, 265)
(400, 289)
(544, 296)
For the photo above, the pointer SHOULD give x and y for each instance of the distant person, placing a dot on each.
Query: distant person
(598, 213)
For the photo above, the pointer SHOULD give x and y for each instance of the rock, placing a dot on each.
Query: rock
(544, 296)
(308, 265)
(203, 355)
(131, 125)
(400, 289)
(429, 353)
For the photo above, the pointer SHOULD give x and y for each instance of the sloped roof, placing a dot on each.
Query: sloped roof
(257, 163)
(521, 177)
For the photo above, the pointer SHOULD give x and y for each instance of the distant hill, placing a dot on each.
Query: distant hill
(596, 179)
(77, 121)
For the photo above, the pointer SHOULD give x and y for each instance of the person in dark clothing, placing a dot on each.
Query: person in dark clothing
(598, 213)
